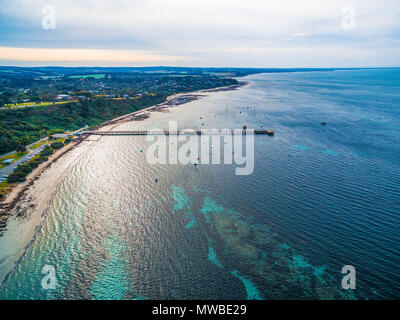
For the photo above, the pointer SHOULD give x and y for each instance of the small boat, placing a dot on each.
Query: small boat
(156, 180)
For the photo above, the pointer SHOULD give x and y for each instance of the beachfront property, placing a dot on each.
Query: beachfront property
(63, 97)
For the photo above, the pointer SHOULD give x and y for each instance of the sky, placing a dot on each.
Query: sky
(209, 33)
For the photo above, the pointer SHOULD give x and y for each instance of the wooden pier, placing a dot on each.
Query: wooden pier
(223, 132)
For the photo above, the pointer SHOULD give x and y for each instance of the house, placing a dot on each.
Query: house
(64, 97)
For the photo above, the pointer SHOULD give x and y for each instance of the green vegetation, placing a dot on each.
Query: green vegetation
(27, 104)
(34, 104)
(19, 175)
(4, 189)
(14, 156)
(29, 110)
(121, 94)
(57, 145)
(49, 77)
(29, 125)
(37, 145)
(95, 76)
(20, 148)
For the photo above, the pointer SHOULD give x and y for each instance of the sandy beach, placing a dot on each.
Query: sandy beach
(20, 199)
(18, 191)
(24, 210)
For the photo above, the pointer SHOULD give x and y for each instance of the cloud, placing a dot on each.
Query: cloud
(301, 34)
(189, 27)
(93, 55)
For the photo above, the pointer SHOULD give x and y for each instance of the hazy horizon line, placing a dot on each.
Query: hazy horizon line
(192, 67)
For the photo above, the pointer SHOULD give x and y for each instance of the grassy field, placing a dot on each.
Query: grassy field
(25, 104)
(5, 186)
(15, 156)
(95, 76)
(37, 145)
(34, 104)
(57, 140)
(10, 105)
(50, 77)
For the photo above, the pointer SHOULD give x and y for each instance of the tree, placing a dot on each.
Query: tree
(57, 145)
(20, 148)
(5, 98)
(25, 169)
(16, 177)
(49, 96)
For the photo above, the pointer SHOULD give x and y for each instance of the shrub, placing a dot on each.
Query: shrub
(34, 164)
(16, 177)
(47, 151)
(57, 145)
(20, 148)
(25, 169)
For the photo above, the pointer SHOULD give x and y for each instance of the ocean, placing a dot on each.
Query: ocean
(320, 197)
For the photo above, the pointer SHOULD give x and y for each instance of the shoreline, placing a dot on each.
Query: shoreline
(171, 101)
(20, 189)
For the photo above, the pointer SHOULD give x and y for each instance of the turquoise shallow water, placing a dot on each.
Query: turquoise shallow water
(320, 197)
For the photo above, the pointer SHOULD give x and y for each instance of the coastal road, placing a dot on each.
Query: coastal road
(27, 147)
(66, 135)
(32, 152)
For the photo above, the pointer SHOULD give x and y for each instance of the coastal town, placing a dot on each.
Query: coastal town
(44, 110)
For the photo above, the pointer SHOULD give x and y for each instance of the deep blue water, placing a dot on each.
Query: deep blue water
(320, 197)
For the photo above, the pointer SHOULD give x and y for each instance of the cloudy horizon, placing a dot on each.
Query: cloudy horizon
(206, 33)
